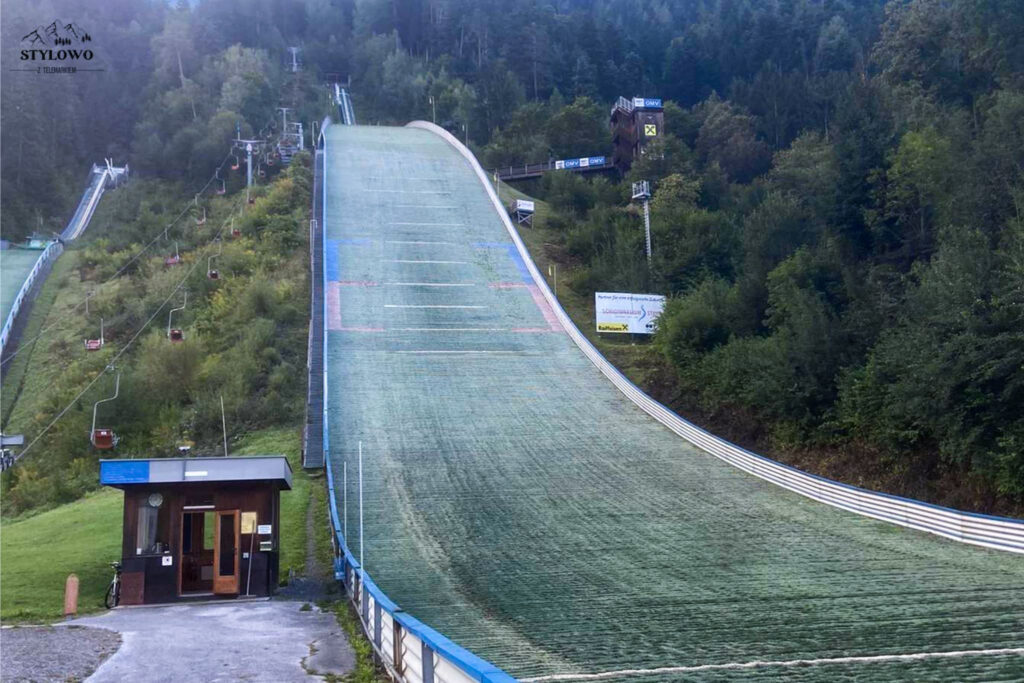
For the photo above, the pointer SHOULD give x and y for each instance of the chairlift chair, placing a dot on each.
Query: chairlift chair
(173, 333)
(210, 272)
(201, 220)
(104, 439)
(237, 163)
(223, 188)
(173, 260)
(95, 344)
(235, 232)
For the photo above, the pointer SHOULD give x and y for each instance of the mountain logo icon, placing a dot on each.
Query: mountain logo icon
(56, 33)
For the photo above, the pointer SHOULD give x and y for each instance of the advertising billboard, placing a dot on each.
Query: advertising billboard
(582, 162)
(628, 313)
(647, 103)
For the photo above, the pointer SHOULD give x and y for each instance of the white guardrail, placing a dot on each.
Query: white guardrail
(51, 252)
(1000, 533)
(410, 650)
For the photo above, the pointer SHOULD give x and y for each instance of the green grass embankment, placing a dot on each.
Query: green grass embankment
(37, 554)
(638, 361)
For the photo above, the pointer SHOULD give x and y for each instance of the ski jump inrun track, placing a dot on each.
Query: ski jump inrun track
(528, 503)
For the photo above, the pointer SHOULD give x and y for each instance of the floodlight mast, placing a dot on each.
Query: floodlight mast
(642, 191)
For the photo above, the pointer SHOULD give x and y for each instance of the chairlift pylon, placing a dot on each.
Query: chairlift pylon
(103, 438)
(95, 344)
(176, 334)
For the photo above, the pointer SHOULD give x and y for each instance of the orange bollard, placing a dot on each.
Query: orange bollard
(71, 596)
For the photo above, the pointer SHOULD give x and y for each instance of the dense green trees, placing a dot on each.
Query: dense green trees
(838, 201)
(837, 215)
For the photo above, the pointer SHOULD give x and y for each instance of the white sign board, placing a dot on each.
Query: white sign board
(524, 205)
(632, 313)
(264, 529)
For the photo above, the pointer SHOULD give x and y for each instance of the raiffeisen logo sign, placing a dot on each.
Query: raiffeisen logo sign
(57, 48)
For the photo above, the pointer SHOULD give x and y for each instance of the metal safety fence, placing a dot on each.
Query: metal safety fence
(999, 533)
(523, 171)
(42, 263)
(312, 436)
(409, 650)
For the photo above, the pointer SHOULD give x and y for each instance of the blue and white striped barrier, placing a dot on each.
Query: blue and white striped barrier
(1000, 533)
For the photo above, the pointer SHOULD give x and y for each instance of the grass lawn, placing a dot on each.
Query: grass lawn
(38, 552)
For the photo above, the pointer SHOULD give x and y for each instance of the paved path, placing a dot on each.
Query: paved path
(234, 641)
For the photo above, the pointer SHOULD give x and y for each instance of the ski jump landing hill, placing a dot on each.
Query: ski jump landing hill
(23, 271)
(526, 501)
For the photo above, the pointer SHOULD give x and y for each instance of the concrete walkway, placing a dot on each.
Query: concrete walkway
(229, 641)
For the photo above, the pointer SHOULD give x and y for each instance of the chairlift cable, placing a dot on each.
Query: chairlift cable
(120, 353)
(134, 258)
(130, 261)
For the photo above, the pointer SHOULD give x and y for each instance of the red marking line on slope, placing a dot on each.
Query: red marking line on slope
(545, 308)
(334, 311)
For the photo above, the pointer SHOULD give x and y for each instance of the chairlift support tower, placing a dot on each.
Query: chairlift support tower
(251, 147)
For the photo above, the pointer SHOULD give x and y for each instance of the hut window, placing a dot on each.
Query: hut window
(151, 531)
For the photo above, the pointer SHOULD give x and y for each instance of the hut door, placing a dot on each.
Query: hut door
(225, 552)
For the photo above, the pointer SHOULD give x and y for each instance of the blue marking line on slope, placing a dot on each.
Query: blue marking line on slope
(332, 265)
(355, 240)
(513, 253)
